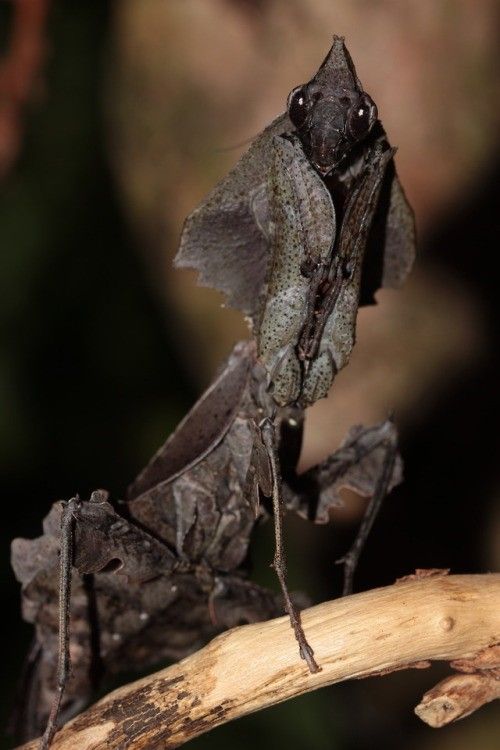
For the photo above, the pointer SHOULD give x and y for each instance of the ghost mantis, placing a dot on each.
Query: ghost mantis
(310, 222)
(303, 230)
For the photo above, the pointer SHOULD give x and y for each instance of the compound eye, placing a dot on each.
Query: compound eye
(296, 106)
(361, 117)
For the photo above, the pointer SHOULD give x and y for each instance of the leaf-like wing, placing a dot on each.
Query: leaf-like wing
(391, 246)
(224, 239)
(203, 427)
(400, 239)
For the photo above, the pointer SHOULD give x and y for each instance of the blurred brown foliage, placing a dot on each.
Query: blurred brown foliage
(20, 74)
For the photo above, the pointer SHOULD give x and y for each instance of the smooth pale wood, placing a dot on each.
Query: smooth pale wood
(255, 666)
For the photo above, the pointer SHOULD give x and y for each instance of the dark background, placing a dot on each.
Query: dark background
(94, 374)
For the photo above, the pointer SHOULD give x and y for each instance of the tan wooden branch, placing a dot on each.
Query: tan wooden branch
(422, 618)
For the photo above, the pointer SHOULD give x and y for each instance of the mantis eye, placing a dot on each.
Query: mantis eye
(361, 117)
(296, 106)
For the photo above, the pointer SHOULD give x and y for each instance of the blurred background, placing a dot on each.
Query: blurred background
(116, 118)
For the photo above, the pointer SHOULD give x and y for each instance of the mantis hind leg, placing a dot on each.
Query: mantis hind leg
(268, 433)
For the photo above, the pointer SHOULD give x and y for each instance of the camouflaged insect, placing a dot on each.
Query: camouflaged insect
(306, 227)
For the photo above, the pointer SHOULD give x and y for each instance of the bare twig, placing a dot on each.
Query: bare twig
(434, 617)
(456, 697)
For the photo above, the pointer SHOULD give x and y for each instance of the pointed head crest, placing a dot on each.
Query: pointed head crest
(339, 67)
(332, 113)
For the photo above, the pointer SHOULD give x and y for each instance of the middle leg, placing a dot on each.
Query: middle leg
(368, 463)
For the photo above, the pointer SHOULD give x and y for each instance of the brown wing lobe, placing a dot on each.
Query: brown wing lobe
(203, 427)
(223, 239)
(391, 245)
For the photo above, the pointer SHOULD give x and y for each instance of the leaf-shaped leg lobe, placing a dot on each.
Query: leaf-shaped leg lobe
(367, 462)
